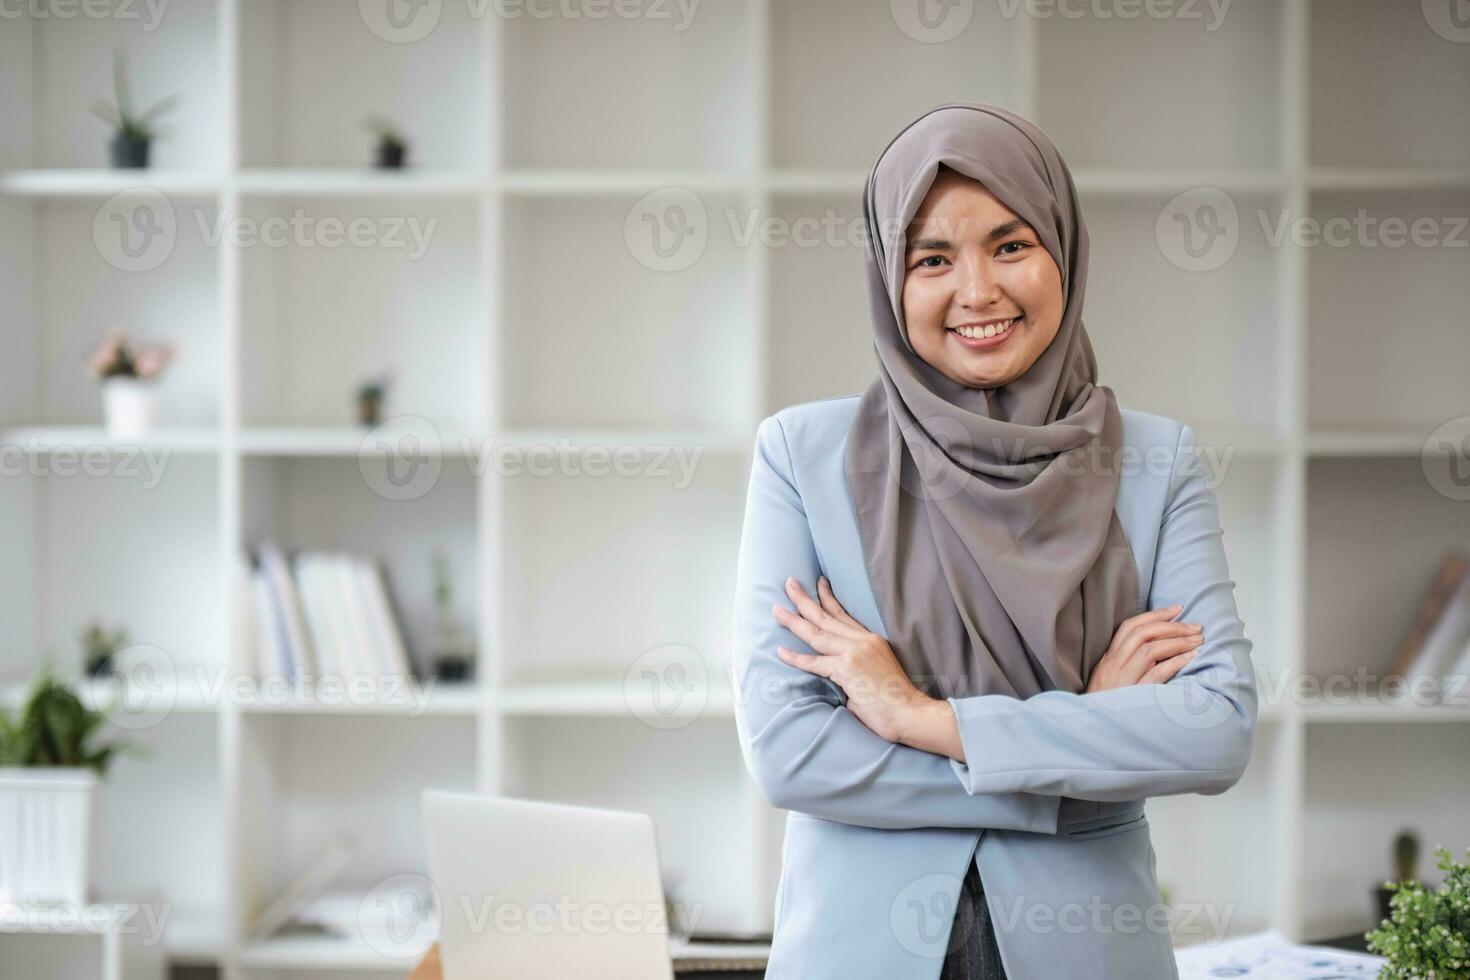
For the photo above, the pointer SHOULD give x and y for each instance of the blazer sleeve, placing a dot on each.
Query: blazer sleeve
(1192, 734)
(805, 750)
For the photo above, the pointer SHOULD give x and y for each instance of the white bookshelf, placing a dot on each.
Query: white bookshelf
(528, 323)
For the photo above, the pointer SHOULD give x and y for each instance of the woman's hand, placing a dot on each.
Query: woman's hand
(1148, 648)
(853, 657)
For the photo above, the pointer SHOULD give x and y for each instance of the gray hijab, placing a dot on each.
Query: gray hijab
(986, 514)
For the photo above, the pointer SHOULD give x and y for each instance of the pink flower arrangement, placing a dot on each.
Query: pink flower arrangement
(118, 357)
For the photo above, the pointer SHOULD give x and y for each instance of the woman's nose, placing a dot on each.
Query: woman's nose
(977, 287)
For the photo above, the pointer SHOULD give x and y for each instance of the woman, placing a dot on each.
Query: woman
(947, 668)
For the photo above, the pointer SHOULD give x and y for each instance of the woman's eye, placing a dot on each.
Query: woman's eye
(1019, 246)
(936, 258)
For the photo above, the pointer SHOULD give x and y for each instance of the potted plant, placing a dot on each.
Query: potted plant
(1405, 860)
(1427, 933)
(133, 132)
(453, 652)
(49, 768)
(99, 646)
(370, 395)
(126, 372)
(392, 148)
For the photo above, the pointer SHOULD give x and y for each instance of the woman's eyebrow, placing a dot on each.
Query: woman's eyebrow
(943, 244)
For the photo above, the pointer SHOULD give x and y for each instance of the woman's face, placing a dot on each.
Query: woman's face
(971, 269)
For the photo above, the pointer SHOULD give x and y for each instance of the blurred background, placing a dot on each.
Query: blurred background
(422, 345)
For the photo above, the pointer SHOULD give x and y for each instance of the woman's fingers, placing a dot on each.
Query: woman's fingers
(830, 603)
(808, 632)
(810, 662)
(810, 610)
(1133, 623)
(1152, 651)
(1161, 672)
(1153, 632)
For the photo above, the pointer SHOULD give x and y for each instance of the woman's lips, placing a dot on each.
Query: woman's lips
(985, 343)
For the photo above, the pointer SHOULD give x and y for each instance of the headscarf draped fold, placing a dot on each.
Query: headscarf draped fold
(986, 514)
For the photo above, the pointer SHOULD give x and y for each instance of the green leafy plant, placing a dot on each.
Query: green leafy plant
(1428, 933)
(120, 116)
(100, 645)
(386, 131)
(54, 728)
(392, 144)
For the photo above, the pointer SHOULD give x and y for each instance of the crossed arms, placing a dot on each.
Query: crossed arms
(807, 752)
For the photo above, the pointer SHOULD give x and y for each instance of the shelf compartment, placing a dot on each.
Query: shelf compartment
(1361, 791)
(324, 311)
(605, 568)
(706, 802)
(561, 111)
(827, 50)
(1358, 610)
(352, 505)
(72, 276)
(355, 66)
(136, 544)
(1221, 364)
(820, 335)
(585, 303)
(1386, 118)
(52, 66)
(1195, 92)
(1386, 336)
(308, 780)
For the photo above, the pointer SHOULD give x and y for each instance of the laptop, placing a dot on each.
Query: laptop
(528, 890)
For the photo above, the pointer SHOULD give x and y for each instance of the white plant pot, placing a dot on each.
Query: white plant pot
(127, 404)
(45, 834)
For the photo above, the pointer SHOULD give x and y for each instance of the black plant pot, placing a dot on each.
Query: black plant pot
(129, 152)
(391, 155)
(100, 666)
(1383, 895)
(452, 670)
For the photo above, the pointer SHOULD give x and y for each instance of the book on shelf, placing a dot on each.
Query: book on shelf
(316, 613)
(299, 893)
(1437, 644)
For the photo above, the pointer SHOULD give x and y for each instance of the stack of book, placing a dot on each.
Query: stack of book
(1437, 644)
(316, 614)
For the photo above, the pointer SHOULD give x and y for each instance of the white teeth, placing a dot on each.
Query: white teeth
(975, 333)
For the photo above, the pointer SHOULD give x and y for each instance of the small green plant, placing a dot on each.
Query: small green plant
(1428, 933)
(54, 728)
(120, 116)
(392, 144)
(100, 645)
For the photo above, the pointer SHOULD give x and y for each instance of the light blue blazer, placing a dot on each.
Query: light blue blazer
(1050, 799)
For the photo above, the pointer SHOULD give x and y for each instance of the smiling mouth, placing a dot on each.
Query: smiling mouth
(985, 336)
